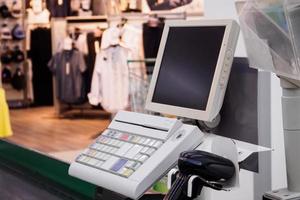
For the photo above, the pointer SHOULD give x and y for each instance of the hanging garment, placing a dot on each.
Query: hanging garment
(131, 38)
(29, 81)
(110, 84)
(75, 6)
(94, 44)
(68, 66)
(5, 127)
(59, 10)
(151, 39)
(38, 18)
(41, 75)
(99, 7)
(81, 43)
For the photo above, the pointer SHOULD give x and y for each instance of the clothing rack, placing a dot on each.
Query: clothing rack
(90, 19)
(143, 17)
(84, 23)
(59, 31)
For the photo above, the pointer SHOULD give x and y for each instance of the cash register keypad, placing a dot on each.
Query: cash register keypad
(119, 153)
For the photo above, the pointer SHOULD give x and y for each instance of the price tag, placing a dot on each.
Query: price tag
(97, 46)
(68, 68)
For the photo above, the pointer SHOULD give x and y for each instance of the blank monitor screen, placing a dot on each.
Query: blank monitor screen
(188, 66)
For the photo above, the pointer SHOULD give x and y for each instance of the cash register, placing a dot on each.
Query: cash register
(189, 80)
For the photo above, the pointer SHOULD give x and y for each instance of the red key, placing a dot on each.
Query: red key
(124, 136)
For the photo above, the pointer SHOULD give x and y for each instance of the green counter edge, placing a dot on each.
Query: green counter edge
(54, 170)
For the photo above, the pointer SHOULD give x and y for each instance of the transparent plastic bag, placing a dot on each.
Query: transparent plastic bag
(268, 37)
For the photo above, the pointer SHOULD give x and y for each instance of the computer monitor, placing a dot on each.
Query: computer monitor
(192, 68)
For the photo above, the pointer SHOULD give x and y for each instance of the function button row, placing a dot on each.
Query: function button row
(128, 138)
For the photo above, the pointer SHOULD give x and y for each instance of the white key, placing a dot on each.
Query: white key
(109, 149)
(104, 148)
(89, 161)
(129, 163)
(143, 158)
(145, 149)
(136, 139)
(123, 150)
(106, 132)
(85, 151)
(84, 159)
(81, 158)
(147, 141)
(121, 143)
(152, 142)
(102, 139)
(99, 146)
(122, 170)
(109, 163)
(150, 151)
(106, 156)
(100, 163)
(92, 153)
(117, 135)
(142, 140)
(137, 157)
(157, 144)
(94, 146)
(115, 142)
(99, 155)
(114, 150)
(136, 165)
(133, 151)
(105, 141)
(93, 162)
(112, 134)
(109, 142)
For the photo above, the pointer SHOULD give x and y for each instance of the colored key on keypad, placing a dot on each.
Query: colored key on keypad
(119, 153)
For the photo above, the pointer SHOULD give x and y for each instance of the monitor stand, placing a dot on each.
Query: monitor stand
(209, 126)
(291, 126)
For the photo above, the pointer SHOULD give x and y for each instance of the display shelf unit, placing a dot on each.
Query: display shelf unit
(16, 98)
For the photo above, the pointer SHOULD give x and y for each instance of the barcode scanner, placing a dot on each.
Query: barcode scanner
(198, 169)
